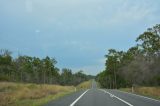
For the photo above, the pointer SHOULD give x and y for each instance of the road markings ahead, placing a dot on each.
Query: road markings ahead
(139, 96)
(111, 95)
(78, 98)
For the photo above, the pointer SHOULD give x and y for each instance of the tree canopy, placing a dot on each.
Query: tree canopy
(138, 66)
(36, 70)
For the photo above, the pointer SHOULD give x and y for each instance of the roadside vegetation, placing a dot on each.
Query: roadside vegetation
(32, 81)
(29, 94)
(153, 92)
(138, 66)
(27, 69)
(84, 85)
(18, 94)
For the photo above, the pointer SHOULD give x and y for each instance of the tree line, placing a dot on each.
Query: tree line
(29, 69)
(139, 65)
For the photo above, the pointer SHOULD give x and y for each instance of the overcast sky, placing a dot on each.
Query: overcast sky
(77, 33)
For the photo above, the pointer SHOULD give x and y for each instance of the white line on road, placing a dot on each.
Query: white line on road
(78, 98)
(139, 96)
(111, 95)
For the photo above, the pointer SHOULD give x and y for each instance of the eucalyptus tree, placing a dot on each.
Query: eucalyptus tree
(5, 64)
(149, 41)
(48, 66)
(66, 76)
(113, 59)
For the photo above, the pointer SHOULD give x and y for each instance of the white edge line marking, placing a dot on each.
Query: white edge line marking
(117, 98)
(139, 95)
(78, 98)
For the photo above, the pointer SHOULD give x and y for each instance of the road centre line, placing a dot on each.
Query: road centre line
(78, 98)
(111, 95)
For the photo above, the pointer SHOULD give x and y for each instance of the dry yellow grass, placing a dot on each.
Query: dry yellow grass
(84, 85)
(149, 91)
(146, 91)
(11, 93)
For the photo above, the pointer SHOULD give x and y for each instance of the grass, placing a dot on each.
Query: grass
(84, 85)
(153, 92)
(42, 101)
(17, 94)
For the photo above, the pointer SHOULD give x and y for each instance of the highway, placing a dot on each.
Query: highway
(103, 97)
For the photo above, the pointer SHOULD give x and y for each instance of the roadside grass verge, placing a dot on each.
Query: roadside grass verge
(17, 94)
(153, 92)
(84, 85)
(42, 101)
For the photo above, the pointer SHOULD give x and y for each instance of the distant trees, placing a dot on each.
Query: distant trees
(6, 63)
(67, 77)
(140, 65)
(36, 70)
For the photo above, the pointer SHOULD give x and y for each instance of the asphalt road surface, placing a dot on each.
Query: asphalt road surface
(103, 97)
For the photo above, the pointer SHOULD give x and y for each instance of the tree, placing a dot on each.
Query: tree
(48, 65)
(149, 41)
(35, 70)
(66, 76)
(112, 62)
(5, 64)
(139, 65)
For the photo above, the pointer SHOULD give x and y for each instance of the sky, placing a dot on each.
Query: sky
(77, 33)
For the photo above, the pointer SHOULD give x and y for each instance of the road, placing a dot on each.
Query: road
(103, 97)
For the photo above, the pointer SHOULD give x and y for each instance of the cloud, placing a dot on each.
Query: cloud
(29, 6)
(92, 69)
(37, 31)
(82, 46)
(130, 12)
(69, 15)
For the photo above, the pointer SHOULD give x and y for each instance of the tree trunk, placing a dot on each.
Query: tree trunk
(115, 79)
(21, 76)
(44, 77)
